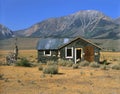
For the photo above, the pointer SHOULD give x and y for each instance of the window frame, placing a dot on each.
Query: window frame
(66, 55)
(47, 54)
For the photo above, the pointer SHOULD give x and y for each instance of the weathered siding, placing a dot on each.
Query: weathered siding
(79, 43)
(42, 58)
(97, 54)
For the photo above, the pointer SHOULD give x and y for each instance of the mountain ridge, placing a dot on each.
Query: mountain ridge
(5, 32)
(85, 23)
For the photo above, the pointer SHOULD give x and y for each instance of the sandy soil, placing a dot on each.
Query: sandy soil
(85, 80)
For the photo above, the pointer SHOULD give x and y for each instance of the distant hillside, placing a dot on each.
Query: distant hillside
(31, 43)
(87, 23)
(5, 32)
(23, 43)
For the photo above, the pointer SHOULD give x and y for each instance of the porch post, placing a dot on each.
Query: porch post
(75, 56)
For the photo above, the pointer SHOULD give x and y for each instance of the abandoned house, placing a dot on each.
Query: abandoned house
(75, 49)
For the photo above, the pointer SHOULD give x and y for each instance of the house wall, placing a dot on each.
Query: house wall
(79, 44)
(42, 58)
(97, 54)
(75, 44)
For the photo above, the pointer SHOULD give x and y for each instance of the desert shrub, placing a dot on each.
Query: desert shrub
(104, 67)
(116, 67)
(82, 73)
(91, 74)
(67, 63)
(51, 63)
(42, 75)
(75, 66)
(62, 62)
(1, 63)
(50, 69)
(105, 62)
(1, 76)
(23, 62)
(115, 59)
(40, 67)
(84, 63)
(94, 65)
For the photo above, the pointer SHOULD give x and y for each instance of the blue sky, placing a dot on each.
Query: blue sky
(21, 14)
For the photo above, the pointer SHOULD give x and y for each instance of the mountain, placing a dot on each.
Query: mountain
(86, 23)
(5, 32)
(117, 20)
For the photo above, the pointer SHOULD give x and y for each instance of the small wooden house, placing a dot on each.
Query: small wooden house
(75, 49)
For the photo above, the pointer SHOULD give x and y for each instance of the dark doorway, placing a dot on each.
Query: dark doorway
(78, 55)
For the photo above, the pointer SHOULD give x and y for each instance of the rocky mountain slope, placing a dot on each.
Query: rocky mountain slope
(117, 20)
(5, 32)
(87, 23)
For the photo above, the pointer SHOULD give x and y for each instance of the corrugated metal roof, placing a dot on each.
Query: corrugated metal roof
(52, 43)
(56, 43)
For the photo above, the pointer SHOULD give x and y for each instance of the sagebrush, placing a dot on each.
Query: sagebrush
(24, 62)
(50, 69)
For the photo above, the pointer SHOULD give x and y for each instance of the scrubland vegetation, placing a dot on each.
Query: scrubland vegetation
(28, 76)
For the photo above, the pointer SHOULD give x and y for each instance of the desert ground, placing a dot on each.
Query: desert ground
(84, 80)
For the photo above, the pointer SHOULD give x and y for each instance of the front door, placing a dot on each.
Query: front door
(78, 54)
(89, 53)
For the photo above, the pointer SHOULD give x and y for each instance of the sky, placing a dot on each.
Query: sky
(21, 14)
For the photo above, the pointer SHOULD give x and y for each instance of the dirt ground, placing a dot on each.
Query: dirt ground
(84, 80)
(21, 80)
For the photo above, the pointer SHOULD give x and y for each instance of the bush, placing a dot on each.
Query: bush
(42, 76)
(94, 65)
(62, 62)
(40, 68)
(23, 62)
(105, 62)
(116, 67)
(75, 66)
(104, 67)
(51, 63)
(51, 69)
(84, 63)
(1, 76)
(67, 63)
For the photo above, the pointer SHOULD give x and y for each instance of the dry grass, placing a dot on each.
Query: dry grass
(29, 54)
(86, 80)
(22, 80)
(111, 57)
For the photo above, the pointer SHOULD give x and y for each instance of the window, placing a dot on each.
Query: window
(47, 53)
(69, 52)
